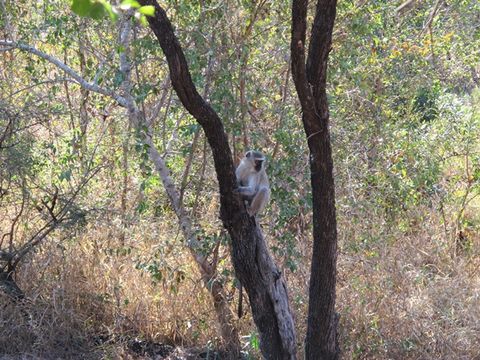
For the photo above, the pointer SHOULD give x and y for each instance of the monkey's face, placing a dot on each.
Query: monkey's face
(256, 158)
(258, 164)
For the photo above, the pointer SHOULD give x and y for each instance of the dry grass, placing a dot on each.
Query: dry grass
(401, 295)
(89, 294)
(409, 298)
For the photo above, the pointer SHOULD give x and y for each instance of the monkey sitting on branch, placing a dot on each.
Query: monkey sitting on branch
(253, 185)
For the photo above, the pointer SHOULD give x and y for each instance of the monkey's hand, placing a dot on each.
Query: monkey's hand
(246, 192)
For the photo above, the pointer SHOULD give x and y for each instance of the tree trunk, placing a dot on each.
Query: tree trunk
(253, 264)
(9, 286)
(310, 83)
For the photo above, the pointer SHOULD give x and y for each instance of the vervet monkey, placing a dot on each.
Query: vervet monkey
(253, 183)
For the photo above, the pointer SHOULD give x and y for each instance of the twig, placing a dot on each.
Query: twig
(429, 21)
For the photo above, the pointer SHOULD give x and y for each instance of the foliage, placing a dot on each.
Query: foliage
(97, 9)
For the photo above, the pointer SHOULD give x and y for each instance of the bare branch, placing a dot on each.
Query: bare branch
(197, 133)
(43, 83)
(53, 60)
(404, 7)
(428, 24)
(55, 221)
(161, 102)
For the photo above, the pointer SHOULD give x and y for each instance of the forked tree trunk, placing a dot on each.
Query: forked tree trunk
(253, 264)
(310, 83)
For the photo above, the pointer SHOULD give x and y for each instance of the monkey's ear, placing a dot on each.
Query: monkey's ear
(248, 154)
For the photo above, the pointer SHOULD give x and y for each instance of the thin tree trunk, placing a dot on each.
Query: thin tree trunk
(284, 94)
(208, 270)
(124, 195)
(84, 93)
(84, 120)
(253, 264)
(310, 83)
(199, 187)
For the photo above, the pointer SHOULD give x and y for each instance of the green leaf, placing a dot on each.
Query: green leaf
(128, 4)
(143, 20)
(97, 11)
(148, 10)
(88, 8)
(111, 11)
(254, 341)
(142, 207)
(81, 7)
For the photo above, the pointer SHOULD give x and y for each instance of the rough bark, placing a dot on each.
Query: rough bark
(253, 264)
(310, 82)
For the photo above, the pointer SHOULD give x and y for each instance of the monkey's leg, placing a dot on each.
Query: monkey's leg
(258, 202)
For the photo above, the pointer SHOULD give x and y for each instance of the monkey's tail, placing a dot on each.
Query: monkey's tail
(240, 301)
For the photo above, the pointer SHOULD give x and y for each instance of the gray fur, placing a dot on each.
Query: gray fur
(253, 183)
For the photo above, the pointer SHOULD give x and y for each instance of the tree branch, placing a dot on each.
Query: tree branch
(297, 49)
(53, 60)
(320, 45)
